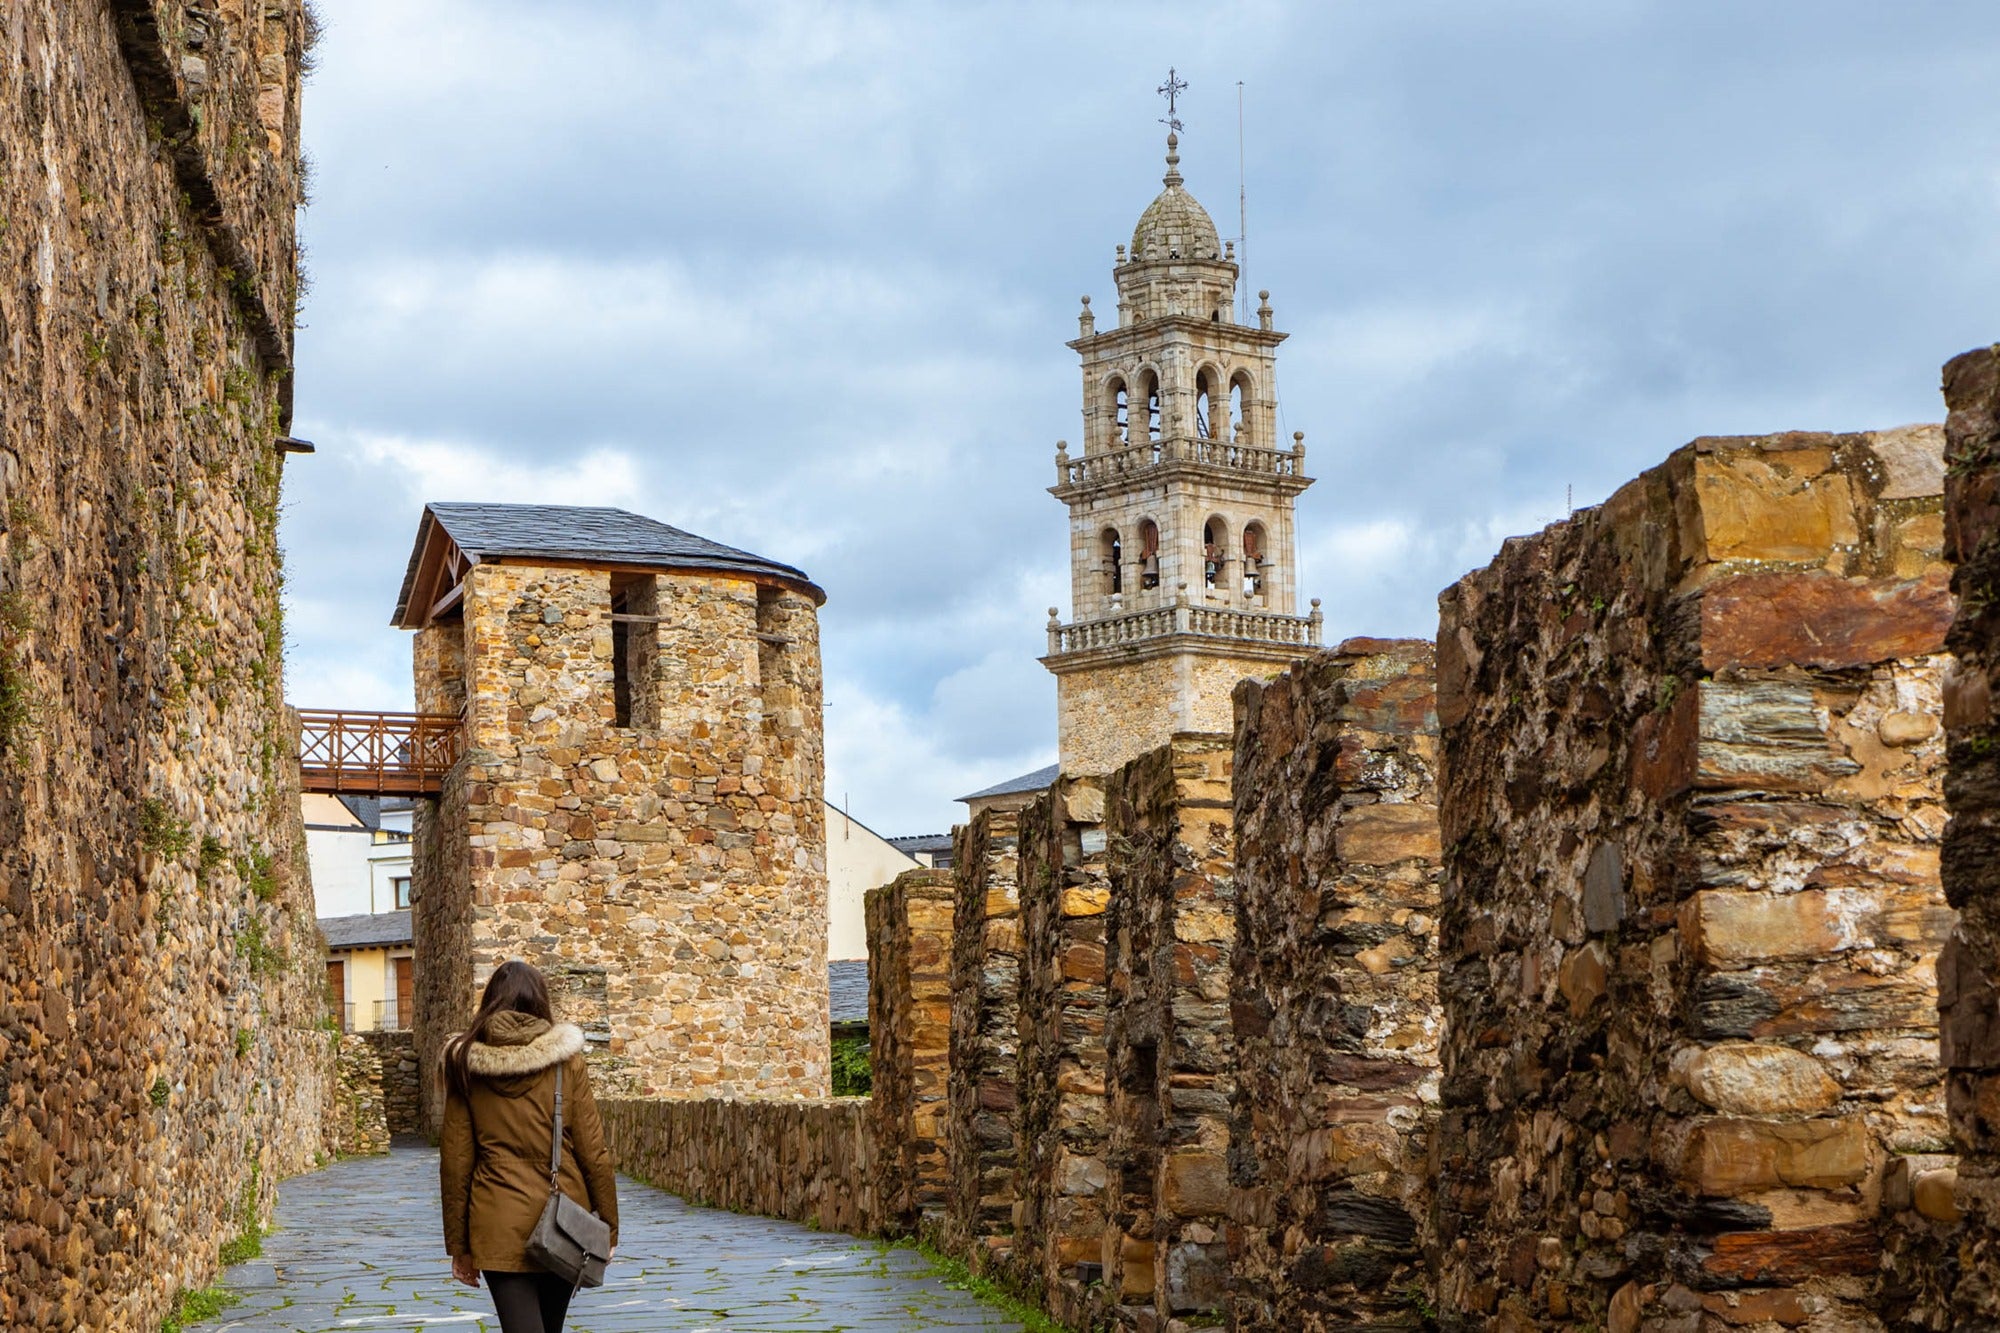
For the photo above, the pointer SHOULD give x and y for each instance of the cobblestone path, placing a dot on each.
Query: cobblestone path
(357, 1247)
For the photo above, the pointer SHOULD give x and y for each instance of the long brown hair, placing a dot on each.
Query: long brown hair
(515, 987)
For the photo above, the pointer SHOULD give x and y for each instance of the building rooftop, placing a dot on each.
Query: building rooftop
(580, 534)
(923, 842)
(366, 930)
(1035, 781)
(847, 990)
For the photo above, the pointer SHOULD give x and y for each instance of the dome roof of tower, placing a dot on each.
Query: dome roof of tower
(1174, 226)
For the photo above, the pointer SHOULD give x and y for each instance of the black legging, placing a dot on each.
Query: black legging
(529, 1302)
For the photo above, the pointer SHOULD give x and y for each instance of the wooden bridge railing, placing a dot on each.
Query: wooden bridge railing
(376, 754)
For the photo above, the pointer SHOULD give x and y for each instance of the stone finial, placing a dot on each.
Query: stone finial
(1062, 451)
(1229, 251)
(1121, 253)
(1180, 594)
(1173, 176)
(1298, 444)
(1055, 619)
(1263, 310)
(1086, 322)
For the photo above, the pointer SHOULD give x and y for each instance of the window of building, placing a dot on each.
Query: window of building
(1111, 553)
(635, 650)
(399, 886)
(1120, 411)
(1149, 554)
(1239, 408)
(1253, 560)
(1214, 552)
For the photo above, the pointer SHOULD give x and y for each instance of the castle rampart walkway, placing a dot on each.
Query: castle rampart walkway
(375, 754)
(357, 1247)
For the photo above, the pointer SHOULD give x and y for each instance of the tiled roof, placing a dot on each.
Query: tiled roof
(367, 930)
(847, 990)
(585, 533)
(1035, 781)
(922, 842)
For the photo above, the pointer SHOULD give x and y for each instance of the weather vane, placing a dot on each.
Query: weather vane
(1171, 90)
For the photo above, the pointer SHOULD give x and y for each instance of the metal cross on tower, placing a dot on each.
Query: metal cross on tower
(1171, 90)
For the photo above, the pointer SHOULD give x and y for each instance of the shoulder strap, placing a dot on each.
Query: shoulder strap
(555, 1146)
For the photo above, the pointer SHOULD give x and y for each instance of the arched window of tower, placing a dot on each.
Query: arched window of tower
(1214, 553)
(1239, 403)
(1253, 561)
(1204, 403)
(1151, 387)
(1120, 411)
(1112, 552)
(1149, 554)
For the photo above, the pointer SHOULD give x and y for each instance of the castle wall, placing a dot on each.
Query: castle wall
(909, 1033)
(981, 1151)
(161, 1062)
(1060, 1130)
(1171, 1063)
(1969, 971)
(1334, 989)
(1691, 809)
(668, 876)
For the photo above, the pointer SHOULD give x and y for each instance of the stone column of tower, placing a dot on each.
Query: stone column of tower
(1181, 498)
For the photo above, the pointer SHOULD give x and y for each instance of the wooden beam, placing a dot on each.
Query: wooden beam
(446, 602)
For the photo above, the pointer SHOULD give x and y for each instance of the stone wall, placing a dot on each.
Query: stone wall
(808, 1159)
(909, 1036)
(160, 968)
(1060, 1130)
(1113, 710)
(980, 1149)
(669, 876)
(1691, 807)
(359, 1124)
(1334, 989)
(1170, 931)
(1969, 971)
(401, 1088)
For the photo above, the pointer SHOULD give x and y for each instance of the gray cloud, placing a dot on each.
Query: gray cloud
(797, 277)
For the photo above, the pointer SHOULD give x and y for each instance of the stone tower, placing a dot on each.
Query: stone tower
(638, 809)
(1182, 549)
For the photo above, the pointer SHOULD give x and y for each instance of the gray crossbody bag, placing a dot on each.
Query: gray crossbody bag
(570, 1241)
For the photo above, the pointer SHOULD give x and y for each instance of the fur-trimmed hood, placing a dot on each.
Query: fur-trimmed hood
(551, 1046)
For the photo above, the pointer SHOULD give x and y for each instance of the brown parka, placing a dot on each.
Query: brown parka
(493, 1157)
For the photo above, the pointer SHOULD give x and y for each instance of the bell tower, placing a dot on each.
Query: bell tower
(1183, 570)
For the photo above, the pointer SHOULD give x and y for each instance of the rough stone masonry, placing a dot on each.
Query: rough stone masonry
(666, 870)
(1691, 809)
(1969, 971)
(1334, 990)
(160, 976)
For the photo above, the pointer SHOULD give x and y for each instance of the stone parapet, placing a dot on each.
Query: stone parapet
(1691, 808)
(810, 1160)
(909, 1032)
(161, 975)
(985, 1040)
(1334, 989)
(1169, 1054)
(360, 1123)
(1969, 971)
(1060, 1132)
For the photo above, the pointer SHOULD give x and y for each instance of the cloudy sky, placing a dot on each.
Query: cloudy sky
(797, 277)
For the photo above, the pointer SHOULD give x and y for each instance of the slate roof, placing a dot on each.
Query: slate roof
(1035, 781)
(847, 990)
(366, 930)
(586, 533)
(922, 842)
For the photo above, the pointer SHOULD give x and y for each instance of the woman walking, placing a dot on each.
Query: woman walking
(499, 1123)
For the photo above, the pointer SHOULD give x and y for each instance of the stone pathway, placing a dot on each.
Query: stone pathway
(357, 1247)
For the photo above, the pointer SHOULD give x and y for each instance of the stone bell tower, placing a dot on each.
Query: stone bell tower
(1182, 548)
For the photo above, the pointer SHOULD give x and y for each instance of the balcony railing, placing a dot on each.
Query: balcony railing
(1182, 618)
(390, 1016)
(376, 754)
(1148, 454)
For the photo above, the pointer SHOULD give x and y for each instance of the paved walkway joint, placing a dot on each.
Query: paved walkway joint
(358, 1246)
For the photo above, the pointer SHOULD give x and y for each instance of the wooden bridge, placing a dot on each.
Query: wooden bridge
(376, 754)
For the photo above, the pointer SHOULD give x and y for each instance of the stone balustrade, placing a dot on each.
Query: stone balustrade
(1134, 459)
(1185, 618)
